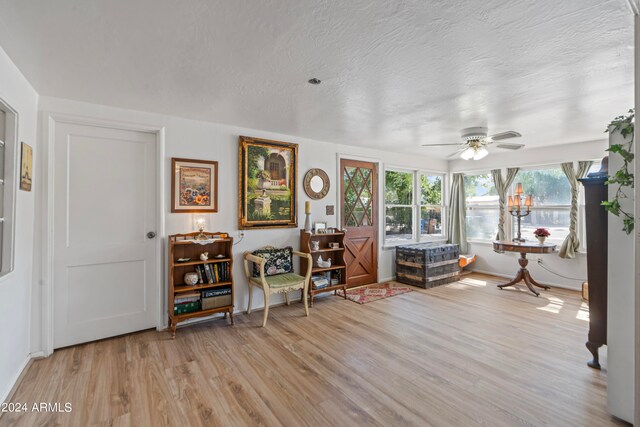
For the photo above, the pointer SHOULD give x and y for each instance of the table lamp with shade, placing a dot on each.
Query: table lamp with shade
(518, 209)
(200, 222)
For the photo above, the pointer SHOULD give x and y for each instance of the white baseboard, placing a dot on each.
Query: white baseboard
(507, 276)
(15, 380)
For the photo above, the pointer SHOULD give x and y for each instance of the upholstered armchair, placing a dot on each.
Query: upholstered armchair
(272, 270)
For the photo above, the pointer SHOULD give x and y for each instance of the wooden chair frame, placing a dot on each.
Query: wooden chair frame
(262, 283)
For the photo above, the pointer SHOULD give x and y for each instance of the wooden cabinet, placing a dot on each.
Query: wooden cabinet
(596, 226)
(214, 290)
(330, 246)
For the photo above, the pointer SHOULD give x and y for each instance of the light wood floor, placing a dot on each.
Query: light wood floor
(457, 355)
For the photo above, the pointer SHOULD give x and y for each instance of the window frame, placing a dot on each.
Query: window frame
(10, 181)
(416, 207)
(557, 207)
(483, 208)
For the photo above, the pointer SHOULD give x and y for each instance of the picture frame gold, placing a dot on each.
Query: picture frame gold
(267, 183)
(194, 186)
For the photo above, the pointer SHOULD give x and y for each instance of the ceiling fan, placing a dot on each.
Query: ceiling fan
(475, 141)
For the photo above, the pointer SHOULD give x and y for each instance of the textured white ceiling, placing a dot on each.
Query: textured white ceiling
(395, 74)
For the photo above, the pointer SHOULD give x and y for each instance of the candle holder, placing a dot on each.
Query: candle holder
(307, 212)
(516, 209)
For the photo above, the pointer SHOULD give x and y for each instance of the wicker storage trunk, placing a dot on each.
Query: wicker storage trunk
(427, 264)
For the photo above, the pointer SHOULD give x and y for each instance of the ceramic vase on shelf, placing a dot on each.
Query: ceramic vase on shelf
(190, 278)
(541, 239)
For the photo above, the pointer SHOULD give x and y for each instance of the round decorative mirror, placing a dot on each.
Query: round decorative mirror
(316, 183)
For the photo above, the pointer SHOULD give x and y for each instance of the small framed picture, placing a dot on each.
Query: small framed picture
(194, 185)
(320, 227)
(26, 166)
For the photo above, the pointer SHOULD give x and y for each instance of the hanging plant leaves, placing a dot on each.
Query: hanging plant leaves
(622, 177)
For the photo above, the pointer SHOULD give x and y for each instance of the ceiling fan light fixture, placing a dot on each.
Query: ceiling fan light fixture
(467, 154)
(480, 153)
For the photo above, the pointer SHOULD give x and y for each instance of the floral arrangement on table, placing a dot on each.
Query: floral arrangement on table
(541, 233)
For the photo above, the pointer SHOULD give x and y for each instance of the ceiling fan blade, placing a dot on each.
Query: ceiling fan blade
(503, 135)
(440, 145)
(509, 146)
(456, 154)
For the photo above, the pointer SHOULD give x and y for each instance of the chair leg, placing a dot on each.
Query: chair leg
(286, 297)
(306, 302)
(266, 307)
(250, 298)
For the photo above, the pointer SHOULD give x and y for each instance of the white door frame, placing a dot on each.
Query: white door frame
(49, 122)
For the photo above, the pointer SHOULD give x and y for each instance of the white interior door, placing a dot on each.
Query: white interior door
(105, 265)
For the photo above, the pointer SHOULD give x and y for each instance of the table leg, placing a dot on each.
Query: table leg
(517, 279)
(523, 275)
(528, 283)
(533, 282)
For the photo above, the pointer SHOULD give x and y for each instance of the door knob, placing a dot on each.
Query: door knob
(151, 234)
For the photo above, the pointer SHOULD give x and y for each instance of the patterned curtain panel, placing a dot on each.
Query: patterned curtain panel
(502, 186)
(457, 226)
(572, 243)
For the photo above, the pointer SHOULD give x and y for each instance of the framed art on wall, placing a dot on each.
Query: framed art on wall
(26, 167)
(194, 186)
(267, 177)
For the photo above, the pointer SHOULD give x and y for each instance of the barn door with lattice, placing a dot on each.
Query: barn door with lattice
(359, 216)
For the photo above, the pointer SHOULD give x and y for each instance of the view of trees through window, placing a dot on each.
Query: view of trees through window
(551, 195)
(430, 205)
(399, 205)
(482, 207)
(400, 202)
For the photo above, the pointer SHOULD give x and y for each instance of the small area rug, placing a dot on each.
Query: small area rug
(365, 294)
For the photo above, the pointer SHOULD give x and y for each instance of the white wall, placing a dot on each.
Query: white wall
(636, 147)
(620, 305)
(506, 264)
(15, 288)
(203, 140)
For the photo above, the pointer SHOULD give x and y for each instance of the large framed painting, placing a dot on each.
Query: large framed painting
(194, 186)
(267, 177)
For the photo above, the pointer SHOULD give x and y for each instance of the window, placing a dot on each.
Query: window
(431, 205)
(8, 138)
(414, 209)
(483, 207)
(398, 196)
(551, 195)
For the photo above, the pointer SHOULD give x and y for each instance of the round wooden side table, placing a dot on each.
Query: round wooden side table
(524, 248)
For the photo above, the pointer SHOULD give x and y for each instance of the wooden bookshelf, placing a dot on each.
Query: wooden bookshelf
(220, 250)
(338, 268)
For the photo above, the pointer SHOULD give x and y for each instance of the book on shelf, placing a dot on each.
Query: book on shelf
(207, 270)
(186, 297)
(188, 307)
(207, 293)
(199, 273)
(319, 281)
(216, 273)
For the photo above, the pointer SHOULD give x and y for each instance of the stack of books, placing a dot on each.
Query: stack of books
(213, 273)
(186, 303)
(319, 281)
